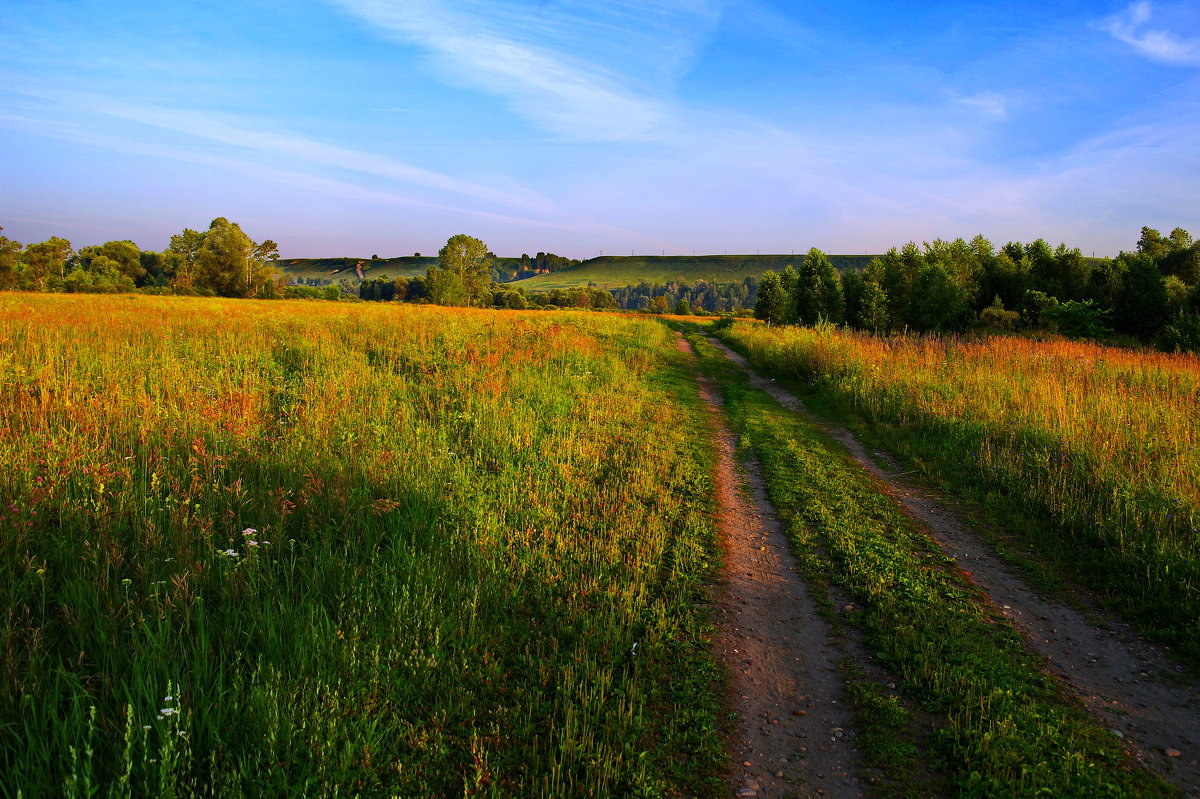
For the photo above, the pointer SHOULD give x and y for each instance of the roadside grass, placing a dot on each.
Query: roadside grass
(1089, 455)
(289, 549)
(1001, 725)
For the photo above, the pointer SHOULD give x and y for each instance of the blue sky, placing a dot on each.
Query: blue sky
(360, 127)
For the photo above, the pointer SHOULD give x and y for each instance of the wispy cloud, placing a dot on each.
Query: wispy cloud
(240, 134)
(991, 104)
(1160, 45)
(530, 56)
(250, 167)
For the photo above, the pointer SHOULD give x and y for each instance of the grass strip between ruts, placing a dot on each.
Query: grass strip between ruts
(1001, 726)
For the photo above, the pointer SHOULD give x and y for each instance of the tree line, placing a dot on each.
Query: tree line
(221, 261)
(1151, 293)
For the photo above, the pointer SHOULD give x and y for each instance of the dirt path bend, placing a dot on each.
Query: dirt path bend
(1132, 686)
(793, 737)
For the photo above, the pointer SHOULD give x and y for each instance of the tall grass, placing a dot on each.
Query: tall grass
(298, 549)
(1099, 442)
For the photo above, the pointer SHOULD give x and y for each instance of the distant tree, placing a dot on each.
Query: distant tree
(1080, 319)
(1104, 284)
(1182, 262)
(1007, 279)
(1181, 333)
(995, 317)
(1180, 239)
(818, 295)
(125, 254)
(462, 276)
(229, 263)
(937, 303)
(400, 289)
(873, 313)
(9, 259)
(179, 259)
(1141, 304)
(682, 308)
(789, 280)
(1036, 303)
(1152, 244)
(445, 287)
(771, 303)
(45, 260)
(852, 288)
(900, 271)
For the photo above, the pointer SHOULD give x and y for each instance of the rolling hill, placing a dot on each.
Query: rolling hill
(319, 271)
(606, 272)
(615, 271)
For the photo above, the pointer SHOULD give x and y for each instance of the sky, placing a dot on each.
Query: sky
(587, 127)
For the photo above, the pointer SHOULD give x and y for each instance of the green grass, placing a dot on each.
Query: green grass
(615, 271)
(464, 520)
(998, 724)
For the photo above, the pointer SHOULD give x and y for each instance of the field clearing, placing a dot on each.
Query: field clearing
(1100, 442)
(286, 548)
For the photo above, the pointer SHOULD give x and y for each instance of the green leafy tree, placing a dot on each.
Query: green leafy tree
(47, 259)
(995, 317)
(873, 314)
(900, 271)
(682, 308)
(852, 288)
(937, 303)
(463, 273)
(789, 280)
(1141, 304)
(1035, 305)
(445, 287)
(10, 252)
(818, 294)
(1080, 319)
(230, 264)
(179, 259)
(1152, 244)
(1181, 333)
(124, 254)
(771, 303)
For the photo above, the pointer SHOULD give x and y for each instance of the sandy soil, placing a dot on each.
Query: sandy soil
(794, 734)
(1131, 686)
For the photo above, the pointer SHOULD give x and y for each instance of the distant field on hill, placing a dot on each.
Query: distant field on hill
(607, 272)
(334, 269)
(611, 271)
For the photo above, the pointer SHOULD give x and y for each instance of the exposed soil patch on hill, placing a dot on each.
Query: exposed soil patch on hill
(1133, 687)
(794, 733)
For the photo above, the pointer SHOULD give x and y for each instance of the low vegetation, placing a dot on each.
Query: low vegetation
(315, 550)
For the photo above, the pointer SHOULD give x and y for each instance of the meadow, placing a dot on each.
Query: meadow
(1089, 453)
(316, 549)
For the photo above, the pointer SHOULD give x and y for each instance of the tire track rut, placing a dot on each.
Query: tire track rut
(794, 731)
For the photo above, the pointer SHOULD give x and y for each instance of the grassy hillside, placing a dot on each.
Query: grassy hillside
(611, 271)
(332, 270)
